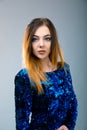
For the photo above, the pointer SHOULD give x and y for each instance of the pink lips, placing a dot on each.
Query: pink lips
(41, 51)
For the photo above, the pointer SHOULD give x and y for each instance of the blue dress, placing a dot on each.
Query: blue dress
(55, 107)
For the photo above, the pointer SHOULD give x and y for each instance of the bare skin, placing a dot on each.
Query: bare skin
(63, 127)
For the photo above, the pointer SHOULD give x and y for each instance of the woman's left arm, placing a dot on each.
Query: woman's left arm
(70, 121)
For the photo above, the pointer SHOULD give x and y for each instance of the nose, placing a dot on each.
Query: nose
(41, 43)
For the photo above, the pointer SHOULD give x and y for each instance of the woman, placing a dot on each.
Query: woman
(44, 94)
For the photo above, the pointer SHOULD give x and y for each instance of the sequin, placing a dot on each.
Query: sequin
(55, 107)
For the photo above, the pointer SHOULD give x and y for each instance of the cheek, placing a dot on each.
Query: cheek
(49, 46)
(33, 47)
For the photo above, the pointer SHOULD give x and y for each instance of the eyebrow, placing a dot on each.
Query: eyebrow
(43, 36)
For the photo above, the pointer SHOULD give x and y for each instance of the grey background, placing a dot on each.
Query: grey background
(70, 19)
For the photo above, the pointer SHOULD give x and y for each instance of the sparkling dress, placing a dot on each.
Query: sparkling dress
(55, 107)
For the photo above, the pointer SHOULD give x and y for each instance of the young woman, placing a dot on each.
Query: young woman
(44, 94)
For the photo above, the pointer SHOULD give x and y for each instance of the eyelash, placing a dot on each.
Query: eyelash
(46, 39)
(34, 39)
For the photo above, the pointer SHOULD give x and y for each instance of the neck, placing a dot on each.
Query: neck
(46, 65)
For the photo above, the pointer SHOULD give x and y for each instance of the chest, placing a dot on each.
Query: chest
(55, 95)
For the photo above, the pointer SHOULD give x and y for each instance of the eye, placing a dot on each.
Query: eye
(48, 38)
(34, 39)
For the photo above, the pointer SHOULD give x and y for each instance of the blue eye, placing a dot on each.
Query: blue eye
(34, 39)
(48, 38)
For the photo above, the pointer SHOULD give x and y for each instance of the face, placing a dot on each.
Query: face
(41, 43)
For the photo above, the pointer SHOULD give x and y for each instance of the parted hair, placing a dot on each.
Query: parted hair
(32, 63)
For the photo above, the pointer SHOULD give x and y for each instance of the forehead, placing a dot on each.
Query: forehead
(42, 30)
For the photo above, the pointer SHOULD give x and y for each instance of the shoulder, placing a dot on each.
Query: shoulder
(22, 83)
(22, 72)
(66, 66)
(22, 76)
(65, 70)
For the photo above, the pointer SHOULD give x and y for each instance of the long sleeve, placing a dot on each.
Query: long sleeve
(70, 121)
(23, 101)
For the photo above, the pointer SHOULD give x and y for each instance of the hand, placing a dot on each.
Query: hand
(63, 127)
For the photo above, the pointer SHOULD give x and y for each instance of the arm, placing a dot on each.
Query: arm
(70, 121)
(23, 102)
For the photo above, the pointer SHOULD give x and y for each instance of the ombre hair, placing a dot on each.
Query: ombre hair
(32, 63)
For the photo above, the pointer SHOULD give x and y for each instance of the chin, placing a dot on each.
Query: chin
(41, 57)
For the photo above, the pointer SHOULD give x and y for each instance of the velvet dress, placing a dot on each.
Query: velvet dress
(55, 107)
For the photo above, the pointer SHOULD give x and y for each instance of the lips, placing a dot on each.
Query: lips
(41, 51)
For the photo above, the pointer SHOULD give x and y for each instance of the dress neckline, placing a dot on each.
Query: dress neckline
(55, 70)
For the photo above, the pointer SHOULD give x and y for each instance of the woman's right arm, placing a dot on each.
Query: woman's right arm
(23, 101)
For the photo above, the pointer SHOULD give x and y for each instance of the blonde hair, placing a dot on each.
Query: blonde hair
(32, 63)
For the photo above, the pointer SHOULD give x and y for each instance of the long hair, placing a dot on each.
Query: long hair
(31, 62)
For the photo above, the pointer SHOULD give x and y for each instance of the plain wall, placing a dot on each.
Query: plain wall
(70, 19)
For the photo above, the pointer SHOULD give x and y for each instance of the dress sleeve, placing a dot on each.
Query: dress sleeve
(70, 121)
(23, 102)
